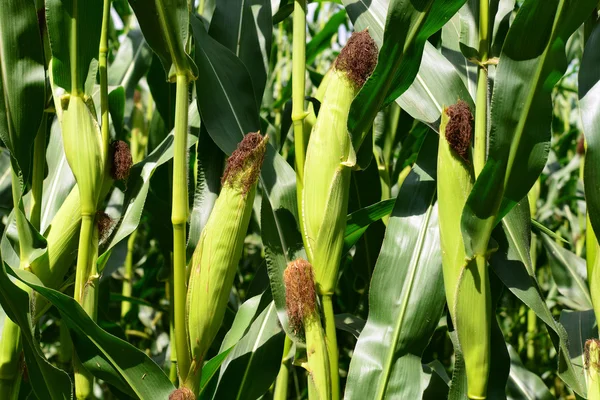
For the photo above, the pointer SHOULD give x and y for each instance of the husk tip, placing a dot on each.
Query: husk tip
(459, 128)
(244, 164)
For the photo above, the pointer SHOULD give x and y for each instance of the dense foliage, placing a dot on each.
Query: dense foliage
(243, 199)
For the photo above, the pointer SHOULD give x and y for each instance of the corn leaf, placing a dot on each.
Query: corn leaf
(387, 359)
(408, 26)
(580, 326)
(51, 382)
(68, 19)
(22, 81)
(246, 28)
(165, 24)
(521, 112)
(210, 160)
(522, 383)
(589, 98)
(259, 350)
(60, 180)
(138, 185)
(569, 273)
(122, 365)
(437, 83)
(512, 264)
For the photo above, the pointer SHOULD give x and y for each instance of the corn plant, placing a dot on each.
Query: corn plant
(289, 199)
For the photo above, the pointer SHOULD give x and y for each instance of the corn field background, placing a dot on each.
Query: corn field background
(291, 199)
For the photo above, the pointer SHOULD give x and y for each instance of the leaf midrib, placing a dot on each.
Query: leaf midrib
(399, 322)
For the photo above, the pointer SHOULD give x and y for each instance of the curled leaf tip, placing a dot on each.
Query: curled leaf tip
(243, 166)
(300, 295)
(121, 160)
(358, 57)
(182, 394)
(459, 129)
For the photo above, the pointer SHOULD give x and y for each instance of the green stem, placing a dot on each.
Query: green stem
(85, 294)
(75, 89)
(102, 69)
(298, 93)
(179, 219)
(482, 90)
(332, 349)
(10, 347)
(128, 275)
(169, 294)
(10, 354)
(281, 385)
(39, 166)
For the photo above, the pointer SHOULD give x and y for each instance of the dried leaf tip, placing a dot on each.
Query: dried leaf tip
(182, 394)
(358, 57)
(300, 295)
(243, 166)
(121, 160)
(459, 129)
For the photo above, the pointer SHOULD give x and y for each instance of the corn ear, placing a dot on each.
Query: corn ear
(329, 160)
(84, 151)
(219, 249)
(592, 368)
(466, 281)
(303, 313)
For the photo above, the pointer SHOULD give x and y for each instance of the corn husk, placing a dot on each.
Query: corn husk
(592, 368)
(220, 247)
(466, 281)
(301, 304)
(82, 141)
(329, 159)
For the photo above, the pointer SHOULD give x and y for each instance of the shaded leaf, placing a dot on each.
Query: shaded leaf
(387, 359)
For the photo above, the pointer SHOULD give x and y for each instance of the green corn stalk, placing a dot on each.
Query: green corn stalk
(303, 313)
(466, 281)
(329, 160)
(139, 140)
(592, 368)
(219, 250)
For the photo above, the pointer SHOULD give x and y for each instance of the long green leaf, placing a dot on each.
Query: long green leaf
(251, 367)
(165, 24)
(245, 27)
(123, 363)
(387, 359)
(22, 81)
(589, 99)
(51, 382)
(570, 274)
(521, 112)
(580, 326)
(408, 26)
(512, 264)
(78, 23)
(436, 84)
(524, 384)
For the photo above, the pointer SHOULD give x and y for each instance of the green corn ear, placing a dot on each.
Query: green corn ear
(592, 368)
(466, 281)
(84, 151)
(329, 159)
(301, 304)
(219, 249)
